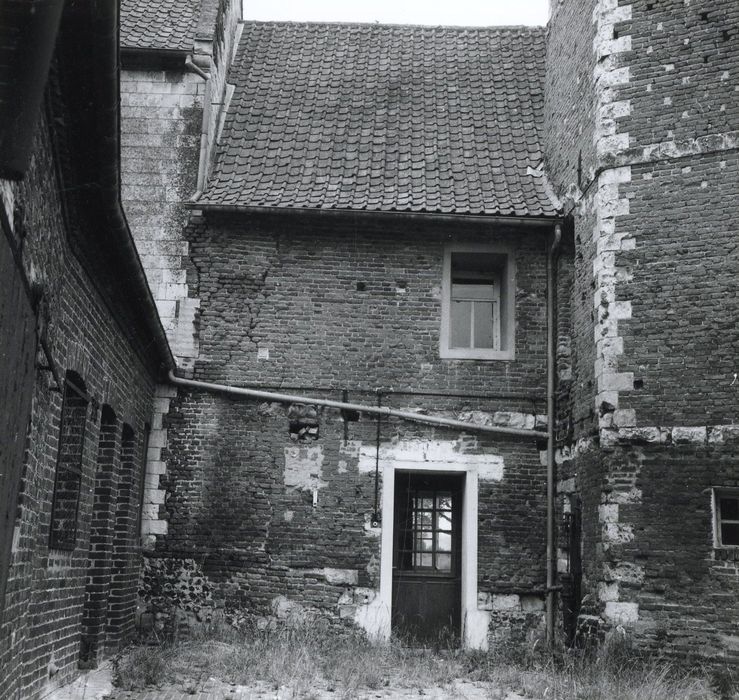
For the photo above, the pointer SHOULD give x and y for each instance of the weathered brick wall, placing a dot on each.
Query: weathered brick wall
(569, 99)
(656, 269)
(40, 632)
(316, 308)
(683, 139)
(263, 285)
(682, 342)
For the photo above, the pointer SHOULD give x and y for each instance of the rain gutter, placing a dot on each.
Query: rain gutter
(204, 126)
(551, 589)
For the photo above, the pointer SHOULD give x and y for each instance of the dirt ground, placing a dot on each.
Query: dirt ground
(98, 685)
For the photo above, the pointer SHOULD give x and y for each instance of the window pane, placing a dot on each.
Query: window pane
(461, 323)
(483, 314)
(444, 562)
(729, 534)
(729, 508)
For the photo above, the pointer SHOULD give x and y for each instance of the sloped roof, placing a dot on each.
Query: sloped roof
(159, 24)
(384, 118)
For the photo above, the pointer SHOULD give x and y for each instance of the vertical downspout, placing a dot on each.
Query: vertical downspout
(551, 374)
(204, 127)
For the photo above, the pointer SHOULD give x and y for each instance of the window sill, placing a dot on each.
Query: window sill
(726, 552)
(485, 355)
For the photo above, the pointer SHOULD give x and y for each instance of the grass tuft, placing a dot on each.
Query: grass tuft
(141, 667)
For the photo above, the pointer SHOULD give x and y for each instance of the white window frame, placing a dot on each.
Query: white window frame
(506, 322)
(719, 492)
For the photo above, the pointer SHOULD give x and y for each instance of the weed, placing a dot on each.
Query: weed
(140, 667)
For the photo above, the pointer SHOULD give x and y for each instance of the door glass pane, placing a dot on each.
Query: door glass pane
(429, 541)
(423, 519)
(461, 323)
(444, 542)
(444, 562)
(483, 314)
(425, 561)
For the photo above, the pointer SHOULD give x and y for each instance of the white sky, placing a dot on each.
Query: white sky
(434, 12)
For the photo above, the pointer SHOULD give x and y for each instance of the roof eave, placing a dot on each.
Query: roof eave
(133, 57)
(547, 221)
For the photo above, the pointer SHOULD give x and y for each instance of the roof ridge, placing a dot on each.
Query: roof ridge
(390, 25)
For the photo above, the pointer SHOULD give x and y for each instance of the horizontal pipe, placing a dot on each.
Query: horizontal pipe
(425, 216)
(531, 398)
(362, 408)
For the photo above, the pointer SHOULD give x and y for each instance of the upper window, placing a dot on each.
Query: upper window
(726, 510)
(477, 304)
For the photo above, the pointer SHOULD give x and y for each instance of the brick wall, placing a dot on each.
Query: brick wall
(569, 95)
(318, 308)
(42, 622)
(375, 324)
(655, 287)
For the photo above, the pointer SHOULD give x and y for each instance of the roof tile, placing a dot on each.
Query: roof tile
(384, 118)
(159, 24)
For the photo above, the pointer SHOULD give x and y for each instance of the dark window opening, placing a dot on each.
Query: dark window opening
(94, 615)
(68, 478)
(142, 489)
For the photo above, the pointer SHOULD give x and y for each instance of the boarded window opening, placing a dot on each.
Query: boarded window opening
(68, 479)
(303, 422)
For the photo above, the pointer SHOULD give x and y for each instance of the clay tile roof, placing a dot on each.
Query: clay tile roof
(159, 24)
(384, 118)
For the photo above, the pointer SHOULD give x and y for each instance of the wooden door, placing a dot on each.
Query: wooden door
(427, 554)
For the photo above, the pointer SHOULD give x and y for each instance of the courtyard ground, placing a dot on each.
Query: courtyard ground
(310, 662)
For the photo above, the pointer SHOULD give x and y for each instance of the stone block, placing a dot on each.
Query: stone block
(694, 436)
(621, 613)
(506, 601)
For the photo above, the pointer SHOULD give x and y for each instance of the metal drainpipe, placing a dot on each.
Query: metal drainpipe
(551, 372)
(362, 408)
(202, 164)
